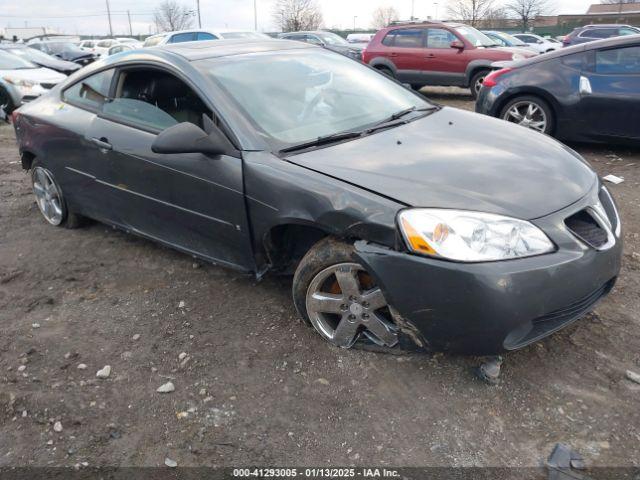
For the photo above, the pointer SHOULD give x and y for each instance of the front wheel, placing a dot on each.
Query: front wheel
(338, 297)
(50, 200)
(530, 112)
(6, 104)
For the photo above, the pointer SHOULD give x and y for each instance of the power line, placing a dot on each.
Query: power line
(76, 16)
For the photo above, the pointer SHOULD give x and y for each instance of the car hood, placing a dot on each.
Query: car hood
(39, 75)
(525, 52)
(457, 159)
(58, 64)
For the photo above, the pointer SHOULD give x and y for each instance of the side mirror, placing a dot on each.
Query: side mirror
(186, 137)
(457, 44)
(539, 41)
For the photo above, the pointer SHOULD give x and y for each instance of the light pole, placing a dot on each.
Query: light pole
(354, 22)
(255, 15)
(413, 4)
(109, 15)
(436, 5)
(198, 7)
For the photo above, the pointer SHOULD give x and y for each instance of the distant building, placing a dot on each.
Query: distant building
(614, 8)
(9, 33)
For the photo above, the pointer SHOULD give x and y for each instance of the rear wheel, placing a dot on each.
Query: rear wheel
(49, 198)
(530, 112)
(476, 82)
(339, 298)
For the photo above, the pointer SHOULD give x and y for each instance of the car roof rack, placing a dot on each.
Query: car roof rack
(413, 22)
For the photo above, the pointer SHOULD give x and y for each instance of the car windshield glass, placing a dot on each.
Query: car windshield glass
(476, 37)
(13, 62)
(153, 41)
(32, 54)
(332, 39)
(511, 39)
(60, 47)
(296, 96)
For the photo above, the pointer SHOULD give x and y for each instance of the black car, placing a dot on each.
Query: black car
(41, 58)
(328, 40)
(64, 50)
(590, 92)
(590, 33)
(403, 222)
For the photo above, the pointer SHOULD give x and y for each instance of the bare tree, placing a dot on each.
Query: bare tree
(171, 15)
(470, 11)
(616, 2)
(297, 15)
(383, 16)
(527, 10)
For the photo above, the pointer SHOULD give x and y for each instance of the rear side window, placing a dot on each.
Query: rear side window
(439, 38)
(205, 36)
(90, 93)
(618, 61)
(600, 33)
(404, 38)
(628, 31)
(153, 41)
(183, 37)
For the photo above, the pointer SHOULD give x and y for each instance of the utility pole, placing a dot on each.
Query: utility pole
(413, 4)
(130, 29)
(255, 15)
(109, 15)
(354, 22)
(436, 5)
(199, 21)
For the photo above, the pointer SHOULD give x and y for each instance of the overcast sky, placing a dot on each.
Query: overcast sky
(90, 15)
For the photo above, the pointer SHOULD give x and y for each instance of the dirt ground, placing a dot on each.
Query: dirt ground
(258, 387)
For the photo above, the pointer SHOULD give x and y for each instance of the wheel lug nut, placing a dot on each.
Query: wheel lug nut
(352, 298)
(343, 307)
(365, 304)
(365, 315)
(352, 317)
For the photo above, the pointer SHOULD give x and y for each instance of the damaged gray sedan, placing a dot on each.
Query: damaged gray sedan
(404, 223)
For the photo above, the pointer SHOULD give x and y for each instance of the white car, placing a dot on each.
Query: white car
(22, 81)
(199, 35)
(538, 43)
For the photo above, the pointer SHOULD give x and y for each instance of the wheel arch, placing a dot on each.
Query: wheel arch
(531, 92)
(27, 158)
(381, 62)
(474, 67)
(285, 244)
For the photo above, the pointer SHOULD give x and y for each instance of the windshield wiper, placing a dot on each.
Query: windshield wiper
(387, 122)
(324, 140)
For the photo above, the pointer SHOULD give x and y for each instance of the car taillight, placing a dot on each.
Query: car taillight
(491, 80)
(566, 40)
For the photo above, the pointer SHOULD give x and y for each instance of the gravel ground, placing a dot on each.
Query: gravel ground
(253, 385)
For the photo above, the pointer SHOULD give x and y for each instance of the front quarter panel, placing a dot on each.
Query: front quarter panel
(281, 193)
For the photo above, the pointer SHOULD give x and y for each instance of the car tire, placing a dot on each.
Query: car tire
(5, 99)
(476, 82)
(335, 295)
(541, 111)
(386, 71)
(50, 199)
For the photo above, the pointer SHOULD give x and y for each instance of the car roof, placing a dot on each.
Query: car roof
(582, 47)
(192, 51)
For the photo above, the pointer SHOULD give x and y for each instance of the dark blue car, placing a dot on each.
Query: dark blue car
(590, 92)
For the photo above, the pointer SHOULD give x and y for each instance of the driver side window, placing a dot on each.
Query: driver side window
(153, 100)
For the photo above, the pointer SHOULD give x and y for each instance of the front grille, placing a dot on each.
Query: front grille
(586, 228)
(609, 207)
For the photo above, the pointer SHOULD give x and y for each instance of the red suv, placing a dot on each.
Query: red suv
(437, 53)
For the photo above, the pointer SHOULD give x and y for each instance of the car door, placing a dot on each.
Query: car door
(192, 202)
(85, 166)
(407, 53)
(443, 65)
(610, 97)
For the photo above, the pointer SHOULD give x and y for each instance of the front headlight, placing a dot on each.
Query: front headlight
(467, 236)
(517, 57)
(18, 82)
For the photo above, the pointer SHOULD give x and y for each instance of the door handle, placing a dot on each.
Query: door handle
(102, 143)
(393, 54)
(431, 55)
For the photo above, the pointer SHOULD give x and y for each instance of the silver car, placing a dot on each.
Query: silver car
(22, 81)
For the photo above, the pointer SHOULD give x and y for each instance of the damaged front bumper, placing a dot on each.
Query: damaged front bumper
(492, 307)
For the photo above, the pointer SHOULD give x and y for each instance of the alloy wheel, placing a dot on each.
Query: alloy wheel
(478, 85)
(343, 303)
(527, 114)
(48, 196)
